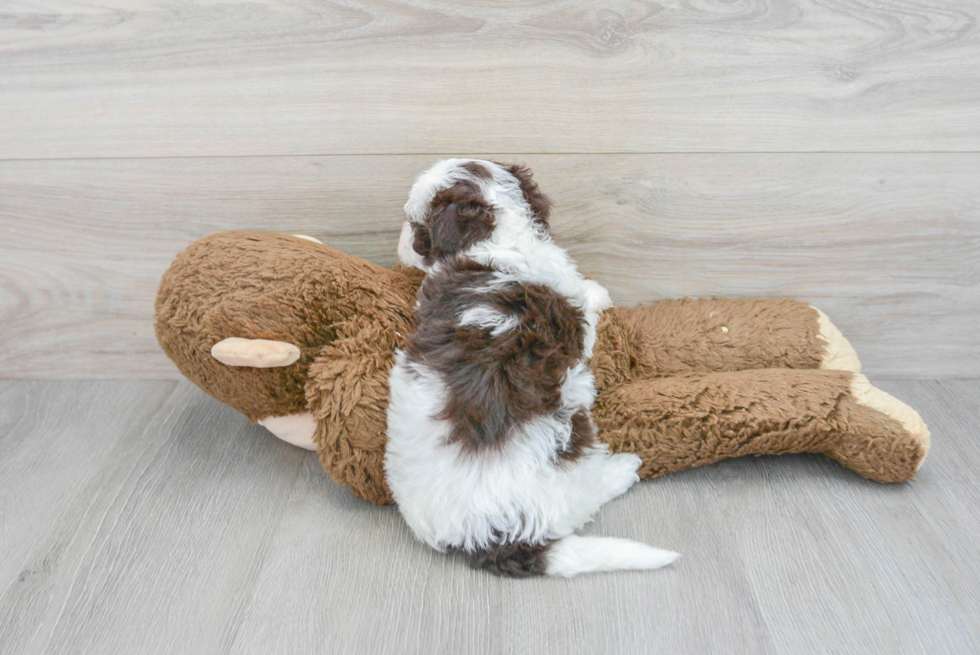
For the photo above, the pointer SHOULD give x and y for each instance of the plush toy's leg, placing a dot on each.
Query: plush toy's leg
(838, 353)
(674, 337)
(296, 429)
(681, 422)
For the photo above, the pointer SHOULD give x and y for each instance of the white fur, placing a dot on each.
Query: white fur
(578, 387)
(483, 316)
(453, 499)
(521, 491)
(406, 253)
(573, 555)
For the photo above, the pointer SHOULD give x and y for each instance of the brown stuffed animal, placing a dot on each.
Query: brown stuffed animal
(300, 337)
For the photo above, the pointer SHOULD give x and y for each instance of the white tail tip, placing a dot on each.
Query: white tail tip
(573, 555)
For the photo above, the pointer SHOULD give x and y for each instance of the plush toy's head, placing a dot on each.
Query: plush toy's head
(268, 286)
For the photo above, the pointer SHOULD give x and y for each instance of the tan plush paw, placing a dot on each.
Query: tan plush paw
(257, 353)
(870, 396)
(839, 355)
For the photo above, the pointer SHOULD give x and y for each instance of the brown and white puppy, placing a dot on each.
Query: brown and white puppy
(491, 447)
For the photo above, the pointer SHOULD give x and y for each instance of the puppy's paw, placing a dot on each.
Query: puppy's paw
(621, 474)
(597, 298)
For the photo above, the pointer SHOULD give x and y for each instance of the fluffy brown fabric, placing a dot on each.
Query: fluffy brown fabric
(681, 383)
(679, 422)
(346, 315)
(688, 336)
(675, 337)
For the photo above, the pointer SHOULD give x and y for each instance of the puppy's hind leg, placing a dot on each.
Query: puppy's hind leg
(619, 473)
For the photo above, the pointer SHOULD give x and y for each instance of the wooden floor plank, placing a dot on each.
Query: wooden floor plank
(358, 582)
(889, 246)
(46, 461)
(200, 533)
(159, 550)
(150, 78)
(867, 567)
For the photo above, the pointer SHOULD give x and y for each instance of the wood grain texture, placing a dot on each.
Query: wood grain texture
(45, 463)
(193, 532)
(160, 546)
(889, 247)
(141, 78)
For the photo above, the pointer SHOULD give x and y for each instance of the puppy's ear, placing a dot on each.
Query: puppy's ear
(458, 217)
(540, 204)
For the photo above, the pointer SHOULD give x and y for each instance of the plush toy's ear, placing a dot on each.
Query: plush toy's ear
(540, 204)
(257, 353)
(458, 217)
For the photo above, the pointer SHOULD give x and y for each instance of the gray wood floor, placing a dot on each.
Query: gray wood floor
(145, 517)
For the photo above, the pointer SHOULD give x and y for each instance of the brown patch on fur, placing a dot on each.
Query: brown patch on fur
(540, 204)
(421, 243)
(495, 382)
(512, 560)
(477, 170)
(458, 217)
(583, 437)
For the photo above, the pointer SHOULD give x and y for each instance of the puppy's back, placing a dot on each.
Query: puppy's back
(502, 347)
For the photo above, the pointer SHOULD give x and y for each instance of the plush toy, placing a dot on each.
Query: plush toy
(300, 337)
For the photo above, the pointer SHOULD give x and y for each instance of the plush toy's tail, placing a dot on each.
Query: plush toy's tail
(572, 555)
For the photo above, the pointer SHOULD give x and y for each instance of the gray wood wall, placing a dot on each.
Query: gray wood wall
(819, 150)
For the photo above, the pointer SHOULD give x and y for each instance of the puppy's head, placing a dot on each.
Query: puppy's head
(460, 203)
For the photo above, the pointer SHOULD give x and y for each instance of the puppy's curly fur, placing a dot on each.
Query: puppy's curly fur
(491, 445)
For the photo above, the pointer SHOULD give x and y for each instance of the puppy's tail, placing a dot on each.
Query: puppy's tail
(570, 556)
(573, 555)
